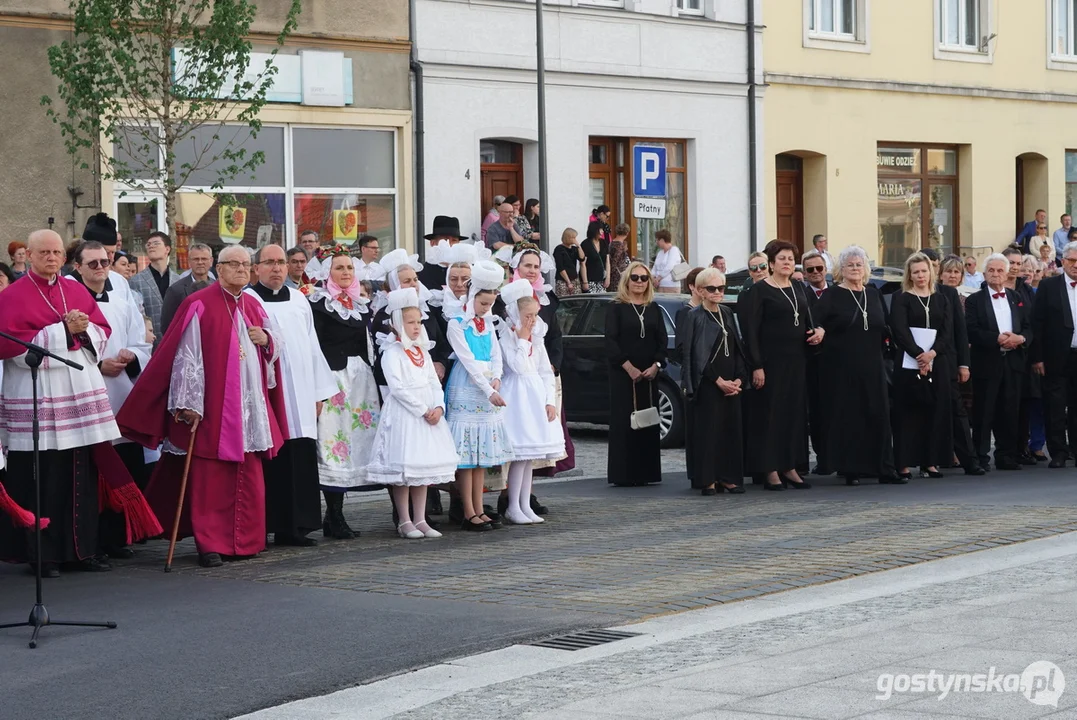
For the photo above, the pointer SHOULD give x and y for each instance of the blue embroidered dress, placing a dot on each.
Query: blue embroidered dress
(477, 426)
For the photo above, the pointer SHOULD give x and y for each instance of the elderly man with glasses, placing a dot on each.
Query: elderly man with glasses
(972, 279)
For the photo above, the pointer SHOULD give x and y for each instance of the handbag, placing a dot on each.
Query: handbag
(645, 418)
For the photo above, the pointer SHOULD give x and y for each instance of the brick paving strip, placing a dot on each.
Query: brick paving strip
(633, 558)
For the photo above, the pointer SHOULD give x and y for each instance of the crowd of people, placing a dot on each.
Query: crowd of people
(933, 377)
(269, 380)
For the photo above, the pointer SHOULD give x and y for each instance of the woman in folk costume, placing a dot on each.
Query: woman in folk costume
(413, 447)
(473, 401)
(529, 390)
(349, 420)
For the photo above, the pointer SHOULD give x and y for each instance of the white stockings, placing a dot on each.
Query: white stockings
(519, 485)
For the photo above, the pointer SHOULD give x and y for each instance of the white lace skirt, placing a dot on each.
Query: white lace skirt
(347, 426)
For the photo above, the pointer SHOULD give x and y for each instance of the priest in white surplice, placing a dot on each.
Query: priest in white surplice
(293, 504)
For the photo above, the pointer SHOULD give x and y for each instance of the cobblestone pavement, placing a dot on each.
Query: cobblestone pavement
(632, 553)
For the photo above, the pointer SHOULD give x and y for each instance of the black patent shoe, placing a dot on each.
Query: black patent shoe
(495, 520)
(975, 471)
(775, 487)
(734, 490)
(1039, 457)
(210, 560)
(852, 480)
(802, 485)
(708, 492)
(475, 526)
(537, 507)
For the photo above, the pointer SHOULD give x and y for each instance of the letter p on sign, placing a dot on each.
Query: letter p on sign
(649, 171)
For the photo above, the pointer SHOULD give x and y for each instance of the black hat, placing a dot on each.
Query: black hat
(101, 228)
(445, 225)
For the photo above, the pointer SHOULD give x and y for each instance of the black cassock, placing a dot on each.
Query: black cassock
(853, 389)
(634, 455)
(69, 499)
(775, 322)
(921, 416)
(711, 351)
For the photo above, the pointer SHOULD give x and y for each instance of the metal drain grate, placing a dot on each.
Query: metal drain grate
(584, 639)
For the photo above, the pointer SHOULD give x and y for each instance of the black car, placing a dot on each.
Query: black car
(585, 368)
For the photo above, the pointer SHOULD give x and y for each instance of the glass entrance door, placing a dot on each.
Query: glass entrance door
(136, 217)
(940, 219)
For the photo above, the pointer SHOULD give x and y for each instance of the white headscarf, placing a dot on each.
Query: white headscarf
(485, 275)
(398, 301)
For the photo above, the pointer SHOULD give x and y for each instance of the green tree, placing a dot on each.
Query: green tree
(148, 75)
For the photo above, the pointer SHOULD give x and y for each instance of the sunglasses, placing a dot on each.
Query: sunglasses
(639, 278)
(757, 268)
(814, 269)
(98, 264)
(714, 288)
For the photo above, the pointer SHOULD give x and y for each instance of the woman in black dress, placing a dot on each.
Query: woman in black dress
(852, 374)
(776, 320)
(596, 249)
(636, 346)
(713, 374)
(567, 258)
(921, 415)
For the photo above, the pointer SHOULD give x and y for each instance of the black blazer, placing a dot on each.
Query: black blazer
(960, 356)
(175, 295)
(987, 359)
(1052, 323)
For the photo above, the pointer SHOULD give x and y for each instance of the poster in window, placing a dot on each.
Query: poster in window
(346, 225)
(232, 222)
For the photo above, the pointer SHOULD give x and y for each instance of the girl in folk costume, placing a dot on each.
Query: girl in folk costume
(413, 447)
(528, 389)
(349, 420)
(473, 401)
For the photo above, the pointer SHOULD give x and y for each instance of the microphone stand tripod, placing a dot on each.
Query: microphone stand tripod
(39, 616)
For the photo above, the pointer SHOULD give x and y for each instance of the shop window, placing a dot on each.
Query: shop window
(342, 158)
(198, 149)
(374, 216)
(917, 201)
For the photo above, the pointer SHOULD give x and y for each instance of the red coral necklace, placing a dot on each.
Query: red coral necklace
(418, 359)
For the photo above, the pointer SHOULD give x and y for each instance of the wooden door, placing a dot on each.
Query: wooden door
(502, 171)
(790, 202)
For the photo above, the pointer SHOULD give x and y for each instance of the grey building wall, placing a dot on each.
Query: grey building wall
(35, 168)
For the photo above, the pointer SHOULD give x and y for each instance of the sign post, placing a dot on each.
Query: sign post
(649, 182)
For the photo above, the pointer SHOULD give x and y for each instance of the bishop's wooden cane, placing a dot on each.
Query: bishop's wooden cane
(182, 493)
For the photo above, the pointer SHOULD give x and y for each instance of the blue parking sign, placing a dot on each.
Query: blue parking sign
(649, 171)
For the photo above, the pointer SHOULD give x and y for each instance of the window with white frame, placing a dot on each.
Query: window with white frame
(689, 7)
(1064, 29)
(602, 3)
(961, 24)
(834, 18)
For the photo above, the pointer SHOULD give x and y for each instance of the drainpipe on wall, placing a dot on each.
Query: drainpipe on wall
(420, 154)
(753, 169)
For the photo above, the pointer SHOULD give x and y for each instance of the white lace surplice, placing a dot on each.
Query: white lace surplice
(187, 390)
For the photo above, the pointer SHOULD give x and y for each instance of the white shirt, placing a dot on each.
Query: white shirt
(829, 261)
(1001, 306)
(974, 280)
(1071, 293)
(664, 262)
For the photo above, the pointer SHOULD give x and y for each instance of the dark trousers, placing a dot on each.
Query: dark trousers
(963, 446)
(1060, 406)
(995, 405)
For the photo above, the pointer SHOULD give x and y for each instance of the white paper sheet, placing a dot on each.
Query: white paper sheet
(925, 338)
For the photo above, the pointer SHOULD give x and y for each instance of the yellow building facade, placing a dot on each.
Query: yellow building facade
(902, 124)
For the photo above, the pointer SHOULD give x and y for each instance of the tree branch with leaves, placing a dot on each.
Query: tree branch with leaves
(149, 75)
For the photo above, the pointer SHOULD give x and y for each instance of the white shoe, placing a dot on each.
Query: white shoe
(514, 516)
(412, 534)
(427, 531)
(530, 514)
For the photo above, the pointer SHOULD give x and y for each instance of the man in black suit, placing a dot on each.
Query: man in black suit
(200, 260)
(999, 329)
(1054, 355)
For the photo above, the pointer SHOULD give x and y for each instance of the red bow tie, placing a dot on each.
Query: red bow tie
(1073, 284)
(999, 295)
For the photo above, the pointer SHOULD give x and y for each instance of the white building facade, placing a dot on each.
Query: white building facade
(619, 74)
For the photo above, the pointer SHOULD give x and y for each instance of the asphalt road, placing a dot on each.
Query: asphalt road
(192, 645)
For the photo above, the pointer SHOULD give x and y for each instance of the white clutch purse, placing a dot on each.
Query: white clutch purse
(645, 418)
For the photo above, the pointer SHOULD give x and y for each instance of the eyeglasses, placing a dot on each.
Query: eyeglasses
(236, 264)
(98, 264)
(274, 263)
(757, 268)
(714, 288)
(153, 245)
(1041, 227)
(639, 278)
(819, 268)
